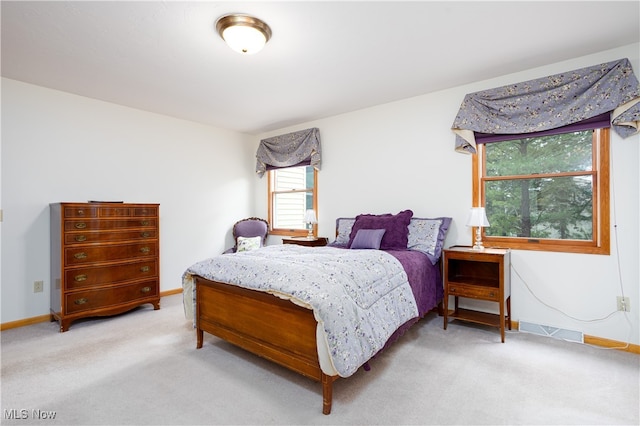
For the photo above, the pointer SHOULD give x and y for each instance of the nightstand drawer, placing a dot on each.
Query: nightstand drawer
(475, 292)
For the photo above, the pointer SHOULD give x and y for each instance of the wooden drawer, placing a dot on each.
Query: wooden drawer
(142, 211)
(111, 210)
(78, 278)
(80, 211)
(103, 237)
(107, 225)
(145, 211)
(115, 211)
(108, 297)
(474, 291)
(117, 252)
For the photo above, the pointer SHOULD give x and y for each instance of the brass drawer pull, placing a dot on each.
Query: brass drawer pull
(492, 294)
(81, 225)
(81, 255)
(144, 222)
(145, 235)
(145, 250)
(81, 301)
(80, 212)
(145, 269)
(145, 289)
(80, 278)
(80, 238)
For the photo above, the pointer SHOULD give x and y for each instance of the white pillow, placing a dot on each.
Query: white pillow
(248, 243)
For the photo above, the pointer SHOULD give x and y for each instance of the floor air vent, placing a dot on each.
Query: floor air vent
(555, 332)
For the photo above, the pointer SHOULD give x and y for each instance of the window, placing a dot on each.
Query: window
(292, 191)
(546, 192)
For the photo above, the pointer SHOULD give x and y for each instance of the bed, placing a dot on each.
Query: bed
(323, 312)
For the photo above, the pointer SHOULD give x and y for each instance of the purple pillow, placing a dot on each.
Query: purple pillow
(368, 239)
(396, 226)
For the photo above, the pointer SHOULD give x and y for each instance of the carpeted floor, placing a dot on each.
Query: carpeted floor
(142, 368)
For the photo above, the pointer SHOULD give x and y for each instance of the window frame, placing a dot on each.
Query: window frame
(600, 243)
(270, 201)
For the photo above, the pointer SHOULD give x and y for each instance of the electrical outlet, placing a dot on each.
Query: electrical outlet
(38, 286)
(624, 304)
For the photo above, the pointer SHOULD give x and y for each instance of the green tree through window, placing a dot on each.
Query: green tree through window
(547, 192)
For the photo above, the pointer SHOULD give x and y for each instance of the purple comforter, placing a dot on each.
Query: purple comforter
(425, 280)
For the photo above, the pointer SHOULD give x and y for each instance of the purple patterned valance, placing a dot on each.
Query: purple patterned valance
(552, 102)
(293, 149)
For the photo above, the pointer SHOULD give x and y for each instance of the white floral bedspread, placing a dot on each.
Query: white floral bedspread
(359, 297)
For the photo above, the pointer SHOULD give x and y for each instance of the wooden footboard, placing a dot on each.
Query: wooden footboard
(270, 327)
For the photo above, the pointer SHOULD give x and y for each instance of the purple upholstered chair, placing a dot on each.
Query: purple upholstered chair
(250, 227)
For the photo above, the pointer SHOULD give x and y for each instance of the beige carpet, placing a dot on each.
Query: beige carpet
(142, 368)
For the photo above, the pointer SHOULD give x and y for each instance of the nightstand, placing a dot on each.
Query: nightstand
(482, 275)
(304, 241)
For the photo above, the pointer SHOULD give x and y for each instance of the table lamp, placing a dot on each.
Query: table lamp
(478, 218)
(310, 219)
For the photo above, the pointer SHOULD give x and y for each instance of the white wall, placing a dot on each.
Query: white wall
(400, 155)
(61, 147)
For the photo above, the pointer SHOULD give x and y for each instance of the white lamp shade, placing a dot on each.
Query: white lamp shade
(244, 39)
(477, 217)
(310, 216)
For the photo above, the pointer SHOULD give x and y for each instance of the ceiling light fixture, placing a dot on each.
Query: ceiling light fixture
(243, 33)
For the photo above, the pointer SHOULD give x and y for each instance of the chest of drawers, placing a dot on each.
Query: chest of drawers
(105, 259)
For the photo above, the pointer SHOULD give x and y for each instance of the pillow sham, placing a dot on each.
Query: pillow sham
(343, 228)
(368, 239)
(397, 228)
(427, 235)
(248, 243)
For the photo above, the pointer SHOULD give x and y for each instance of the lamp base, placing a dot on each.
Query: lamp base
(478, 245)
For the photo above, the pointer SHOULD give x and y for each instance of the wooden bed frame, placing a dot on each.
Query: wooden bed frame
(267, 326)
(270, 327)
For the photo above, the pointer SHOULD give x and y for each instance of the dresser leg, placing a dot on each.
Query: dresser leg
(64, 325)
(200, 338)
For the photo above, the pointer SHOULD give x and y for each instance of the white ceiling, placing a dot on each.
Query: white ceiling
(325, 58)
